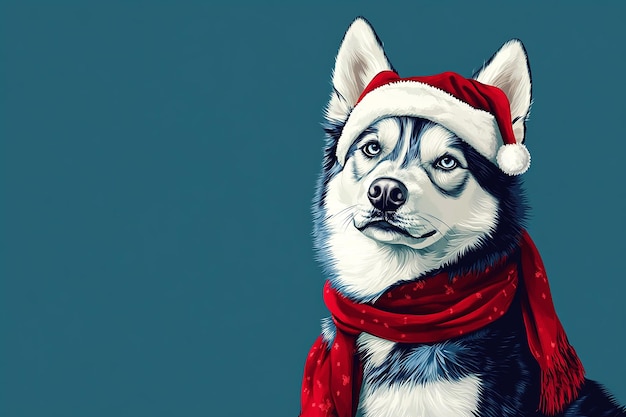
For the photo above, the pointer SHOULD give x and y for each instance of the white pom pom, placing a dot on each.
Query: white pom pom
(513, 159)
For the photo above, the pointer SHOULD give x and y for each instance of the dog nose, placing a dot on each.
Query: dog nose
(387, 194)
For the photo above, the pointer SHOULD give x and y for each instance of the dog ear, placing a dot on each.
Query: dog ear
(508, 70)
(360, 58)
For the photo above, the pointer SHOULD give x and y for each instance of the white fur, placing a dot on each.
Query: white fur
(441, 398)
(374, 349)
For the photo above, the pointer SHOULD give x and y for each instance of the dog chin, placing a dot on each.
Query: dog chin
(391, 237)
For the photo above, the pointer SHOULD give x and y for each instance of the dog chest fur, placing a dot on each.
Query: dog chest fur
(432, 397)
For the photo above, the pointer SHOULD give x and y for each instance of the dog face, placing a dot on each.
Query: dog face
(411, 197)
(408, 183)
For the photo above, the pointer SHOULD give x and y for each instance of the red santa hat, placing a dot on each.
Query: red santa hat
(477, 113)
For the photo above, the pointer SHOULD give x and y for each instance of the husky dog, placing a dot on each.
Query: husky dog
(415, 185)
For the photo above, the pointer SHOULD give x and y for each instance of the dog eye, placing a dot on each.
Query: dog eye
(447, 163)
(371, 149)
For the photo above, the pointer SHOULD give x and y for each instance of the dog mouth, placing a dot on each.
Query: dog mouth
(386, 226)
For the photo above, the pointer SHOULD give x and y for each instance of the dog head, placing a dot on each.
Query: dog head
(408, 196)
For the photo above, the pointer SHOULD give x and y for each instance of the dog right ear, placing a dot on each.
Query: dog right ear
(360, 58)
(508, 70)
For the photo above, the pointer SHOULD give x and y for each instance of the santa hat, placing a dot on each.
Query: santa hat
(477, 113)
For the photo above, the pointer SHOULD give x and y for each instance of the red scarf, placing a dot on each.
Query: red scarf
(435, 310)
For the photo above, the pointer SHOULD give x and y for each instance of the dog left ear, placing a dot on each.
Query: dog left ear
(361, 56)
(508, 70)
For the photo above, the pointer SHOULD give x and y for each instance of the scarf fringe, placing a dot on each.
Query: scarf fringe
(562, 378)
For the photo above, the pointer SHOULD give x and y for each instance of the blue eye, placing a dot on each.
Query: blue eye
(371, 149)
(446, 163)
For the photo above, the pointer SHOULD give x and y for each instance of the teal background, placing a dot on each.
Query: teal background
(158, 160)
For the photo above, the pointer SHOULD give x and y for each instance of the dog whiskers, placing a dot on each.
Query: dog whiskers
(423, 217)
(343, 217)
(340, 212)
